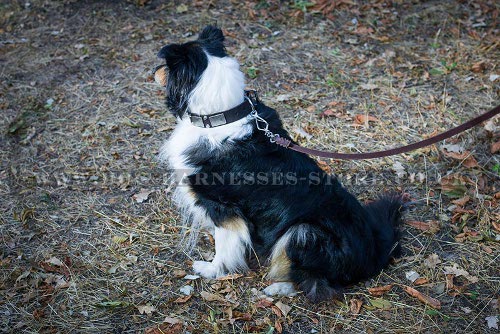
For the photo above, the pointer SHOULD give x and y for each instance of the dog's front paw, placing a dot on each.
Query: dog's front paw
(206, 269)
(280, 289)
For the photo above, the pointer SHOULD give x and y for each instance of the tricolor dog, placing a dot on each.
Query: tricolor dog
(257, 197)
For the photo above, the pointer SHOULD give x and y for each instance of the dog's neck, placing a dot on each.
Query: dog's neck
(221, 87)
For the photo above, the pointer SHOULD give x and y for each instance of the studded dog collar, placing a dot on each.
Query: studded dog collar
(226, 117)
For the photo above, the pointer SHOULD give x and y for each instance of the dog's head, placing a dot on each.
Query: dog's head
(185, 64)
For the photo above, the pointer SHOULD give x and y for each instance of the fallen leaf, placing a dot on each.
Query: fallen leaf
(277, 326)
(495, 147)
(412, 276)
(421, 280)
(492, 321)
(379, 290)
(183, 299)
(355, 305)
(381, 303)
(431, 226)
(453, 185)
(362, 119)
(178, 273)
(431, 261)
(434, 303)
(455, 270)
(263, 303)
(452, 148)
(146, 309)
(241, 316)
(211, 297)
(54, 261)
(142, 195)
(461, 201)
(285, 309)
(479, 67)
(466, 157)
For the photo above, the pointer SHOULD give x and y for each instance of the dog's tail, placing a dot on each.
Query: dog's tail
(386, 215)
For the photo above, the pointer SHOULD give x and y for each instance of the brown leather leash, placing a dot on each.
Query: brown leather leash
(372, 155)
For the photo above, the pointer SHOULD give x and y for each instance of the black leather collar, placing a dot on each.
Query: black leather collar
(226, 117)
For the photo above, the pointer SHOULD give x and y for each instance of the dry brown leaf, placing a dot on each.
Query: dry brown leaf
(178, 273)
(285, 309)
(479, 67)
(449, 281)
(495, 147)
(431, 226)
(241, 316)
(362, 119)
(229, 277)
(263, 303)
(276, 311)
(421, 280)
(432, 302)
(211, 297)
(379, 290)
(461, 201)
(183, 299)
(455, 270)
(355, 305)
(431, 261)
(278, 326)
(466, 157)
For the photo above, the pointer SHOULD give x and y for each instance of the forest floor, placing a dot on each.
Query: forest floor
(90, 238)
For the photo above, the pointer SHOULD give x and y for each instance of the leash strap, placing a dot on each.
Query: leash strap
(372, 155)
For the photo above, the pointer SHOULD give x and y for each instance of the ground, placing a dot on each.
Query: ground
(90, 238)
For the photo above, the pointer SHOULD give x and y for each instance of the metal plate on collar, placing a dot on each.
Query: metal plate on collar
(197, 121)
(217, 120)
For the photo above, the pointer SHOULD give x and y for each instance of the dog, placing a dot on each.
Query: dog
(259, 198)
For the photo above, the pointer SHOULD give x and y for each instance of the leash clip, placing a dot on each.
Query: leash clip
(261, 123)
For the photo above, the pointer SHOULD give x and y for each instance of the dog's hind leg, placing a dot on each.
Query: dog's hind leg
(232, 241)
(280, 268)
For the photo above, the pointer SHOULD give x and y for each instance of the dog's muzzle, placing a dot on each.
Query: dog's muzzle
(160, 74)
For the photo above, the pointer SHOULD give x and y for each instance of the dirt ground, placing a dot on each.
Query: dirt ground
(89, 234)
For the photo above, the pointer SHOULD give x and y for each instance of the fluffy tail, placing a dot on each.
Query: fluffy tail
(386, 213)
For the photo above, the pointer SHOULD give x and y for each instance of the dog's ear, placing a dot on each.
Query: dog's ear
(212, 40)
(173, 54)
(211, 34)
